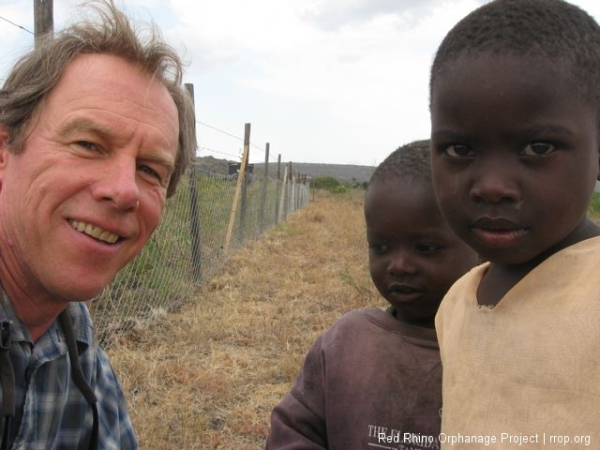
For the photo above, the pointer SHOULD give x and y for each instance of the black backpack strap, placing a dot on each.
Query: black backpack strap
(7, 378)
(77, 374)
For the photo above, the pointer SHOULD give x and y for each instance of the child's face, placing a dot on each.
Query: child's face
(515, 156)
(414, 257)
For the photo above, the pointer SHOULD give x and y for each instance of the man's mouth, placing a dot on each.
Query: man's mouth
(94, 231)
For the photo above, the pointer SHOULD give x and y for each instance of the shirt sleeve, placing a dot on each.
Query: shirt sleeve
(298, 421)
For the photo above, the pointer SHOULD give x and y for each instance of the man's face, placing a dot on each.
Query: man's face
(515, 156)
(89, 187)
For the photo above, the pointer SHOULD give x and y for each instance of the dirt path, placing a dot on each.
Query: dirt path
(208, 376)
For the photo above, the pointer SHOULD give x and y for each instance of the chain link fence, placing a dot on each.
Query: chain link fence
(197, 233)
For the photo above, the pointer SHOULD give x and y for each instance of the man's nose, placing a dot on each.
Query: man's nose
(119, 184)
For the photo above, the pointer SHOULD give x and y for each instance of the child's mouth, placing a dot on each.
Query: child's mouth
(405, 292)
(498, 232)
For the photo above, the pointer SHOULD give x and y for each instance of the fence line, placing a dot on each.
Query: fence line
(189, 245)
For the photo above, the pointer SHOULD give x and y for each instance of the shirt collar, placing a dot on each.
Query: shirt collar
(78, 313)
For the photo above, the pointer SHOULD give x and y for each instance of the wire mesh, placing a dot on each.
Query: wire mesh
(183, 253)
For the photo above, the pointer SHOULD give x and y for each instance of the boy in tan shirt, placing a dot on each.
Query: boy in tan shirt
(515, 103)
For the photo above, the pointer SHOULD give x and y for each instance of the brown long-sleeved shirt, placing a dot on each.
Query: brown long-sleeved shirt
(368, 382)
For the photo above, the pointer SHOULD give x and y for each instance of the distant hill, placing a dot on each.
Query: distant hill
(345, 173)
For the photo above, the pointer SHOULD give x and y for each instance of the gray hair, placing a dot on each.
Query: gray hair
(36, 73)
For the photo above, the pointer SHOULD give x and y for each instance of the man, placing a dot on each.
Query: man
(95, 132)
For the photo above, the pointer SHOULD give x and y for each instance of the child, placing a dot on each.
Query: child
(373, 380)
(515, 154)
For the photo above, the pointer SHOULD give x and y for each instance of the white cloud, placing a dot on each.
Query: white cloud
(335, 14)
(341, 81)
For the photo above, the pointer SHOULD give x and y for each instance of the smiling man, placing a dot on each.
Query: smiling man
(95, 132)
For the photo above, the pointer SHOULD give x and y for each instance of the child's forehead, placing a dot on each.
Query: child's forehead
(400, 183)
(499, 66)
(498, 77)
(506, 69)
(399, 191)
(509, 99)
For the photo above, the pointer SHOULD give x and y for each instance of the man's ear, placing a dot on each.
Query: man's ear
(4, 150)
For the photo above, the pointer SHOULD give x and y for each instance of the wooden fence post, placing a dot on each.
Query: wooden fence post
(244, 193)
(286, 189)
(238, 187)
(278, 191)
(282, 197)
(265, 182)
(293, 201)
(194, 209)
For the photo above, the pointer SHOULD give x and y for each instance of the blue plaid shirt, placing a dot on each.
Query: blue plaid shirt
(51, 412)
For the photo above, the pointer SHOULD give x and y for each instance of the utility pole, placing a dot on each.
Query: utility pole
(43, 16)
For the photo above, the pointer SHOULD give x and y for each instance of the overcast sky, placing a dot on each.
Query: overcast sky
(323, 81)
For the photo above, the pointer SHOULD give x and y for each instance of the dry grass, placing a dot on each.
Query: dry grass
(208, 376)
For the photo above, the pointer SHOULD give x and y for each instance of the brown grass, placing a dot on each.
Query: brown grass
(208, 376)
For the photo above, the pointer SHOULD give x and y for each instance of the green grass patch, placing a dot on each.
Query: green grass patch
(594, 209)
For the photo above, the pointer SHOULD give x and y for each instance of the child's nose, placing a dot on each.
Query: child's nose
(402, 262)
(494, 183)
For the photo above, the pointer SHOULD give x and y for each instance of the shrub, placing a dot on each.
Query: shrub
(328, 183)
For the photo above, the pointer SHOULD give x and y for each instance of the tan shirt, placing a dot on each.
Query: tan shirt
(529, 367)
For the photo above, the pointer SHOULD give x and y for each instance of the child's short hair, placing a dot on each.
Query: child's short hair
(410, 161)
(550, 29)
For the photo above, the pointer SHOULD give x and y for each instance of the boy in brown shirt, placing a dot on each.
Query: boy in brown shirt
(374, 377)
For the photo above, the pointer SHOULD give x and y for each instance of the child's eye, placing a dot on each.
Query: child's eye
(427, 248)
(378, 249)
(458, 151)
(538, 149)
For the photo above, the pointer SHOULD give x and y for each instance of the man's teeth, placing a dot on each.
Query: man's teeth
(94, 231)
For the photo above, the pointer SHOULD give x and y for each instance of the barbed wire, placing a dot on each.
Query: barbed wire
(217, 152)
(271, 157)
(220, 131)
(16, 25)
(230, 156)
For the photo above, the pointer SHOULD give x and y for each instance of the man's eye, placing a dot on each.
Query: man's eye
(458, 151)
(150, 171)
(538, 149)
(86, 145)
